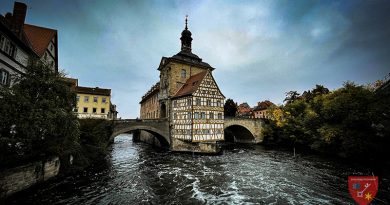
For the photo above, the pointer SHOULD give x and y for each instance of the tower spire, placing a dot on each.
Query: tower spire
(186, 22)
(186, 38)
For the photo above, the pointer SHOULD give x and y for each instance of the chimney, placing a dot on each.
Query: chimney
(19, 15)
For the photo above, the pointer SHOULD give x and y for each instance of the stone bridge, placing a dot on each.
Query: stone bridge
(158, 127)
(238, 130)
(244, 130)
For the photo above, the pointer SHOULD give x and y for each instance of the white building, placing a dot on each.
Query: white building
(20, 41)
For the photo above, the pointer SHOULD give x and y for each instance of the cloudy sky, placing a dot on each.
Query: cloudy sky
(260, 49)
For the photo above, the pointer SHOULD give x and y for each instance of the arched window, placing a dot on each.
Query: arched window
(183, 73)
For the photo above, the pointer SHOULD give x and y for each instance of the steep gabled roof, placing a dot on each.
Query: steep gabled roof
(38, 37)
(191, 85)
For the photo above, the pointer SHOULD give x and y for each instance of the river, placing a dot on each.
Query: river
(136, 173)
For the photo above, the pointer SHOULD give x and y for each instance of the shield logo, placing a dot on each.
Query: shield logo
(363, 188)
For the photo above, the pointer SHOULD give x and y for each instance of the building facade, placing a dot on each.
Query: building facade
(197, 110)
(244, 111)
(94, 103)
(189, 97)
(149, 103)
(260, 111)
(20, 41)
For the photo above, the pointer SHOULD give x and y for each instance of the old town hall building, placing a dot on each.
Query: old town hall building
(188, 96)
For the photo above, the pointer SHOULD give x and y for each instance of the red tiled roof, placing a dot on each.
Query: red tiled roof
(191, 84)
(39, 37)
(263, 105)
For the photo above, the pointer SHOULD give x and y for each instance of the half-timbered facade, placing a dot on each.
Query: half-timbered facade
(197, 110)
(188, 96)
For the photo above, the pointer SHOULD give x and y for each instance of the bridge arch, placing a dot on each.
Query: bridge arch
(242, 130)
(159, 129)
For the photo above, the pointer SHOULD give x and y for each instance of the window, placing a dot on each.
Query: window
(85, 109)
(175, 103)
(7, 46)
(196, 115)
(208, 102)
(86, 98)
(4, 77)
(104, 100)
(188, 102)
(183, 73)
(220, 116)
(198, 101)
(211, 115)
(175, 116)
(2, 40)
(95, 99)
(12, 50)
(218, 103)
(189, 115)
(203, 115)
(78, 98)
(94, 110)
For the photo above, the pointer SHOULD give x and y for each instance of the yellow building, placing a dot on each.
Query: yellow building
(150, 104)
(94, 103)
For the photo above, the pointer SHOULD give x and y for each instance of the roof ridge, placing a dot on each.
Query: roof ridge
(26, 24)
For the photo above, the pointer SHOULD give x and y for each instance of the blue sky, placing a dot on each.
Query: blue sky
(260, 49)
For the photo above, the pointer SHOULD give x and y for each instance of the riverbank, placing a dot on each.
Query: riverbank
(91, 150)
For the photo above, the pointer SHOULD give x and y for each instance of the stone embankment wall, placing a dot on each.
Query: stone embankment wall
(19, 178)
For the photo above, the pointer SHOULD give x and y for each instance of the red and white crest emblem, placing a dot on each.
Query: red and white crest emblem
(363, 188)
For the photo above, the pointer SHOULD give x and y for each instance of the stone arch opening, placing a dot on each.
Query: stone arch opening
(238, 134)
(135, 130)
(154, 138)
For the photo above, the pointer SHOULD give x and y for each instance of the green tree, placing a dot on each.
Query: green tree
(36, 116)
(230, 108)
(291, 96)
(320, 90)
(352, 121)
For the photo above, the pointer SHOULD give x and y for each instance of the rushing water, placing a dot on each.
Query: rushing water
(138, 174)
